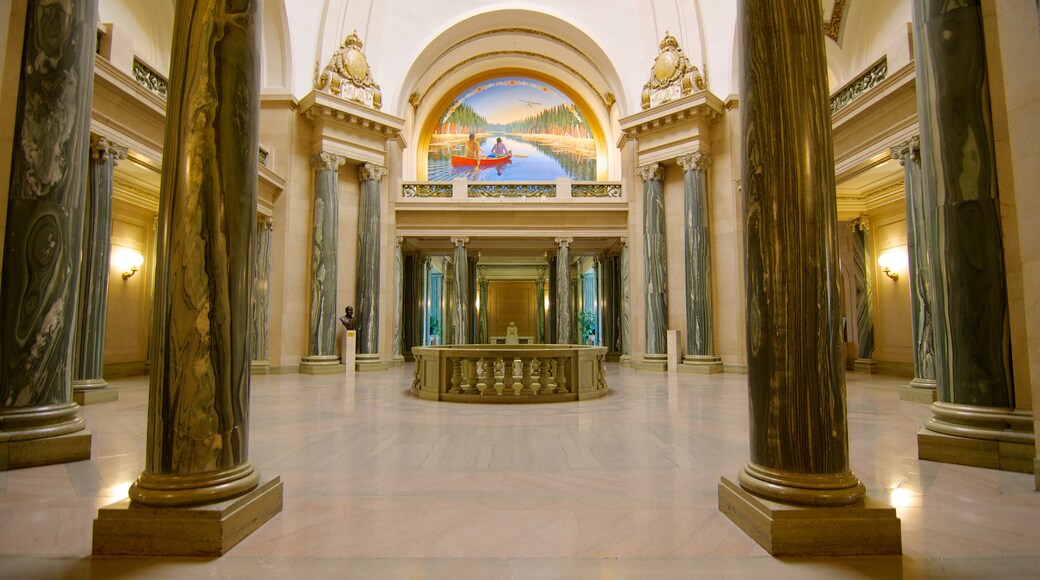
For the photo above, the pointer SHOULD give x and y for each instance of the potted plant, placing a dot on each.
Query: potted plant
(587, 326)
(435, 331)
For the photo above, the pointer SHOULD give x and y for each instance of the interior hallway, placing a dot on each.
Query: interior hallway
(379, 484)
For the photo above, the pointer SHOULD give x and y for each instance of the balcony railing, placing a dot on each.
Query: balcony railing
(461, 189)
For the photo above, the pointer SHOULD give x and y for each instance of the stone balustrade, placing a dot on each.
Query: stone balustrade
(461, 190)
(490, 373)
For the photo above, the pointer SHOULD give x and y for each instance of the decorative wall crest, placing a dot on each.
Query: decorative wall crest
(348, 75)
(672, 76)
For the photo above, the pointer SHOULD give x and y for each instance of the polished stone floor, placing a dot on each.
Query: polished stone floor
(382, 485)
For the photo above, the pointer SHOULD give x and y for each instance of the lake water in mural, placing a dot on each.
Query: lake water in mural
(545, 132)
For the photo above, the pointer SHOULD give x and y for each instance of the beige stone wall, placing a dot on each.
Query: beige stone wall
(128, 316)
(675, 249)
(727, 243)
(893, 333)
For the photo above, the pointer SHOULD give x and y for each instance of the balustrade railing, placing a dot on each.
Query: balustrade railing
(509, 373)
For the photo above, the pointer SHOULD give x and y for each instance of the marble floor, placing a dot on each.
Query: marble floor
(382, 485)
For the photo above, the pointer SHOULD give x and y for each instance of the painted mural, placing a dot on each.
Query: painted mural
(526, 130)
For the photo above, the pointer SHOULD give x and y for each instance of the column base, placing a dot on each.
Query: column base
(20, 453)
(989, 453)
(106, 394)
(867, 527)
(625, 360)
(652, 362)
(321, 365)
(919, 391)
(371, 362)
(865, 365)
(260, 367)
(399, 360)
(125, 529)
(701, 364)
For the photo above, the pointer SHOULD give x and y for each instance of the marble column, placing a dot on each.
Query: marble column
(539, 307)
(655, 267)
(799, 465)
(862, 268)
(197, 452)
(975, 419)
(261, 304)
(321, 340)
(700, 351)
(398, 349)
(482, 333)
(460, 295)
(922, 387)
(564, 314)
(626, 325)
(369, 242)
(88, 382)
(551, 290)
(38, 418)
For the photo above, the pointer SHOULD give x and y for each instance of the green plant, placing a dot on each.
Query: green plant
(435, 325)
(587, 323)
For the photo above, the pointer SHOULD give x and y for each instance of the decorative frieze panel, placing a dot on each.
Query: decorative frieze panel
(426, 190)
(150, 79)
(511, 190)
(348, 75)
(672, 76)
(596, 190)
(860, 85)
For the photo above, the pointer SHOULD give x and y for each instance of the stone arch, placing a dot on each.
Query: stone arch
(276, 49)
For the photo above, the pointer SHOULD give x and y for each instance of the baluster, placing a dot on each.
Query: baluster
(470, 386)
(456, 376)
(525, 378)
(550, 371)
(561, 375)
(489, 377)
(506, 369)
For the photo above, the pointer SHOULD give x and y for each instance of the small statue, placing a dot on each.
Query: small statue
(348, 319)
(511, 334)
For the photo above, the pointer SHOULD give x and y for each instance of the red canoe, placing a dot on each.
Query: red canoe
(460, 161)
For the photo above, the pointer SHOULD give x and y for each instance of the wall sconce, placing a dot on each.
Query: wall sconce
(891, 261)
(128, 261)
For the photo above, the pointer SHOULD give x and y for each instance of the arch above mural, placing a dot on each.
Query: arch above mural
(528, 126)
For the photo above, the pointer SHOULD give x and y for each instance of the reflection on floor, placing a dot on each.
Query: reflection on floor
(381, 485)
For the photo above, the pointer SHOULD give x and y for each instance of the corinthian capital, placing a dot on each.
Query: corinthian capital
(325, 161)
(102, 149)
(371, 172)
(909, 149)
(651, 172)
(695, 161)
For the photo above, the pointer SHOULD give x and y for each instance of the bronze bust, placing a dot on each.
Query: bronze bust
(348, 319)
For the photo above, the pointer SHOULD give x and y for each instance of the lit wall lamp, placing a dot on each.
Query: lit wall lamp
(891, 261)
(128, 261)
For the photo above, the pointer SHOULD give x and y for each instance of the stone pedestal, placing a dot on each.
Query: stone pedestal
(673, 351)
(321, 365)
(371, 362)
(868, 527)
(84, 395)
(15, 454)
(919, 391)
(349, 351)
(701, 364)
(865, 365)
(260, 367)
(123, 529)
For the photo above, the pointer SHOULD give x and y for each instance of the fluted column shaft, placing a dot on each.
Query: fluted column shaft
(918, 217)
(324, 264)
(460, 292)
(92, 302)
(698, 254)
(44, 221)
(398, 350)
(862, 266)
(198, 404)
(655, 268)
(564, 314)
(959, 176)
(796, 382)
(369, 243)
(262, 287)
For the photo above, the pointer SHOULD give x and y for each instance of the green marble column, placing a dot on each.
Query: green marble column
(796, 381)
(975, 386)
(44, 236)
(321, 340)
(539, 307)
(261, 303)
(626, 329)
(198, 403)
(482, 330)
(655, 265)
(862, 267)
(564, 312)
(918, 216)
(700, 350)
(460, 296)
(92, 303)
(398, 348)
(369, 244)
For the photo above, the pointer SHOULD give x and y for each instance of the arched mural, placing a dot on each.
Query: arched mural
(526, 130)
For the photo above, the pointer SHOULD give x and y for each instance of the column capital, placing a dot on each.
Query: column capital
(860, 224)
(399, 240)
(696, 161)
(624, 241)
(651, 172)
(265, 221)
(326, 161)
(371, 172)
(482, 272)
(910, 148)
(541, 272)
(459, 241)
(102, 149)
(564, 242)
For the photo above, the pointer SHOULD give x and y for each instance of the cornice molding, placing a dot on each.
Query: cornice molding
(700, 105)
